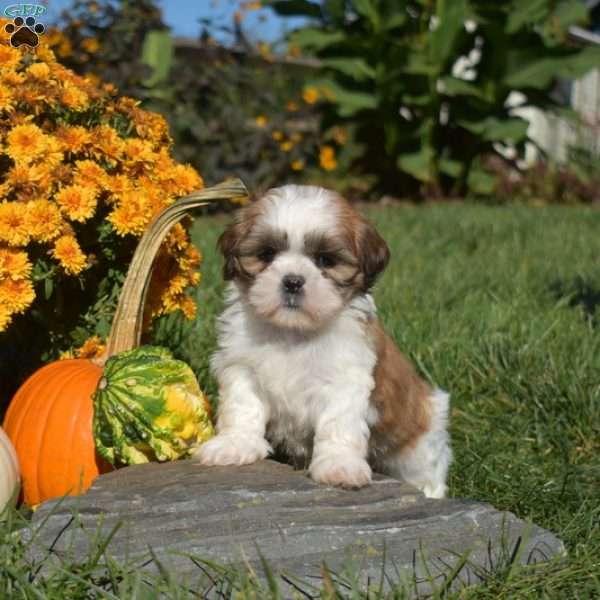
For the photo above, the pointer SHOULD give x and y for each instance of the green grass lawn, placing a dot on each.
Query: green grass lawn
(499, 306)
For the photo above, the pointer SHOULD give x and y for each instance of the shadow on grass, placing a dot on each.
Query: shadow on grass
(580, 293)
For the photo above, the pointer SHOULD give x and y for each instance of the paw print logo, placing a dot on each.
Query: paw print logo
(24, 31)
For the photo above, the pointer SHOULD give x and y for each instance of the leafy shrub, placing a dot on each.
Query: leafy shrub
(82, 173)
(424, 86)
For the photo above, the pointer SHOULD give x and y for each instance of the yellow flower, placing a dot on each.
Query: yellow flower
(90, 45)
(297, 165)
(26, 143)
(137, 150)
(132, 214)
(42, 220)
(14, 264)
(6, 98)
(52, 154)
(13, 229)
(73, 97)
(188, 307)
(340, 135)
(292, 106)
(261, 121)
(106, 142)
(39, 71)
(286, 146)
(9, 57)
(310, 95)
(91, 348)
(73, 138)
(177, 285)
(29, 178)
(327, 158)
(90, 173)
(12, 78)
(277, 135)
(186, 179)
(77, 202)
(117, 185)
(16, 295)
(177, 237)
(69, 255)
(92, 79)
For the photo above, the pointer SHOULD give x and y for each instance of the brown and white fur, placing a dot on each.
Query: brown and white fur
(303, 364)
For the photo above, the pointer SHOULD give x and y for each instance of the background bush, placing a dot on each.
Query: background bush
(424, 86)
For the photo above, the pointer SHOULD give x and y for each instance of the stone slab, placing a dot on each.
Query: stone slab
(236, 514)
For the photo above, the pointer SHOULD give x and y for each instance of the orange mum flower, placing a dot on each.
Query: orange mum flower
(43, 220)
(14, 264)
(16, 295)
(73, 97)
(9, 57)
(13, 229)
(69, 255)
(25, 143)
(77, 202)
(91, 348)
(327, 158)
(132, 215)
(73, 138)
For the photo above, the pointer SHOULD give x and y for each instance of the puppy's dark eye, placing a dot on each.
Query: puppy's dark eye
(325, 261)
(267, 255)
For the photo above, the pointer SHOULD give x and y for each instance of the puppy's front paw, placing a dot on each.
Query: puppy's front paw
(340, 470)
(229, 449)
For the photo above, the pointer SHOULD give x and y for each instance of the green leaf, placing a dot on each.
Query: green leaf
(417, 164)
(366, 8)
(450, 167)
(512, 129)
(443, 38)
(315, 39)
(157, 53)
(480, 181)
(298, 8)
(48, 287)
(539, 74)
(336, 10)
(459, 87)
(569, 13)
(349, 102)
(526, 13)
(357, 68)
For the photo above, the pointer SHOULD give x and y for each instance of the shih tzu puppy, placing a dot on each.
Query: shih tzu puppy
(304, 365)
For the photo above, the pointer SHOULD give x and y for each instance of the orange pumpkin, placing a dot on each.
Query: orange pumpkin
(49, 420)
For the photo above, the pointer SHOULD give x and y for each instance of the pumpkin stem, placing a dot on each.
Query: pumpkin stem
(126, 329)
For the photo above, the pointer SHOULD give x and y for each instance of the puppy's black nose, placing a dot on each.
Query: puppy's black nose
(293, 283)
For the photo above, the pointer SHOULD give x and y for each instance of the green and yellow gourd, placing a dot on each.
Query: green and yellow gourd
(148, 406)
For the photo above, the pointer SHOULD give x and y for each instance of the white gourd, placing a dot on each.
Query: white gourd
(9, 471)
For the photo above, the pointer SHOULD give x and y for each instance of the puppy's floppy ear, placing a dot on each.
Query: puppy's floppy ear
(373, 253)
(229, 241)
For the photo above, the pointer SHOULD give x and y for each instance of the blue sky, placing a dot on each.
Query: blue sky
(182, 16)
